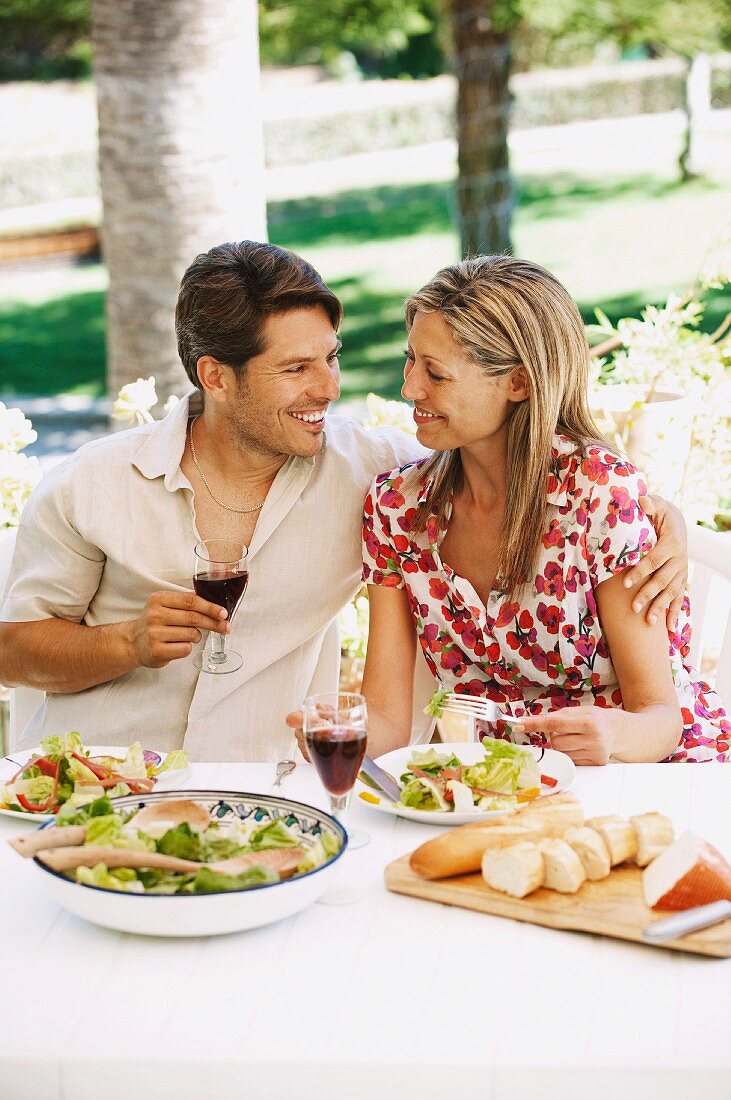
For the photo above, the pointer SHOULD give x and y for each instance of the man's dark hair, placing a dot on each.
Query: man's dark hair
(227, 295)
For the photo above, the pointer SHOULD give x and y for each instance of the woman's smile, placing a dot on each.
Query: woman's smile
(422, 417)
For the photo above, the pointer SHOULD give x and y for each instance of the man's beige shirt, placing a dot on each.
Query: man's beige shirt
(115, 523)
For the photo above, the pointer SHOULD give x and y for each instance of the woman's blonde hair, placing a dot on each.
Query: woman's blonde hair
(505, 312)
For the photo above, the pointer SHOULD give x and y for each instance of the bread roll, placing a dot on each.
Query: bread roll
(562, 869)
(689, 872)
(618, 835)
(654, 833)
(516, 869)
(591, 850)
(459, 851)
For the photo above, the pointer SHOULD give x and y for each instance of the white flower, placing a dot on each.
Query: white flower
(16, 431)
(19, 475)
(135, 401)
(396, 414)
(170, 404)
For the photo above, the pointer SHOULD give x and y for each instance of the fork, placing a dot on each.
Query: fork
(474, 706)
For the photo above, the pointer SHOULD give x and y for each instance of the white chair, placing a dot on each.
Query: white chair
(710, 602)
(23, 701)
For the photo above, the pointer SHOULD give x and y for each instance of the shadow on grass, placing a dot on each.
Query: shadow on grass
(385, 213)
(58, 345)
(55, 346)
(373, 338)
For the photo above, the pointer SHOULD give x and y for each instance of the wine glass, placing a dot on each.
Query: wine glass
(335, 726)
(220, 576)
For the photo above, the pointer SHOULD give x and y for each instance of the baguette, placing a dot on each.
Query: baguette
(654, 833)
(591, 850)
(516, 869)
(459, 851)
(618, 835)
(563, 871)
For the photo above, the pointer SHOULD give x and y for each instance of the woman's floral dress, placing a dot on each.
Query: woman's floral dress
(544, 649)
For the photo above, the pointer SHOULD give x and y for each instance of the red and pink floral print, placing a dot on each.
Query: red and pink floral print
(542, 649)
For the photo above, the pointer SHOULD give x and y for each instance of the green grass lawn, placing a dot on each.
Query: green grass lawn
(617, 244)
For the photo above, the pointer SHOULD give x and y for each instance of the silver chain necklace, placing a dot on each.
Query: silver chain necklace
(205, 479)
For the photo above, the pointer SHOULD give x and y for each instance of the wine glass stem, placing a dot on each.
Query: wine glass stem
(218, 649)
(339, 808)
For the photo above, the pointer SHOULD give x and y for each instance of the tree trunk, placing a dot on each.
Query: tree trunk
(181, 162)
(697, 103)
(482, 58)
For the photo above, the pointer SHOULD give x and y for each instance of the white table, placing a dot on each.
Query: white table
(390, 997)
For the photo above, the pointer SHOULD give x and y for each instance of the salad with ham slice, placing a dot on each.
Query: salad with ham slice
(507, 777)
(63, 775)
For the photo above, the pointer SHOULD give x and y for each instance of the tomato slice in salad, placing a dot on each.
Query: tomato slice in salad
(40, 807)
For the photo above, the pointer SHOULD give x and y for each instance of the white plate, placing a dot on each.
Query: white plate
(168, 781)
(553, 763)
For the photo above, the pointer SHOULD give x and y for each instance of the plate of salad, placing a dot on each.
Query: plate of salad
(455, 784)
(61, 774)
(203, 863)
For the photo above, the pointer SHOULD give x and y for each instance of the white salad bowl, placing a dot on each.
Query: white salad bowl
(206, 914)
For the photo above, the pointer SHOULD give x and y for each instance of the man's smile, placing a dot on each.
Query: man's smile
(312, 417)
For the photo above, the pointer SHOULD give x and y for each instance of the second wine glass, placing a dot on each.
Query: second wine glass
(220, 576)
(335, 727)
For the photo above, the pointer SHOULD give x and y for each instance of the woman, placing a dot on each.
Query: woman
(504, 551)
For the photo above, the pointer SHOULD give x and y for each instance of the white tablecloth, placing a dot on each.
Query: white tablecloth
(388, 997)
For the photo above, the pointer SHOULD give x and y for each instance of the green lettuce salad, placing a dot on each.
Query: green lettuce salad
(507, 776)
(63, 775)
(110, 828)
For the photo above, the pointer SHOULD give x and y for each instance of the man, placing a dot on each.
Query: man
(99, 610)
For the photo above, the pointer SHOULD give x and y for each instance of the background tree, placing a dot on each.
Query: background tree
(299, 31)
(478, 38)
(688, 29)
(43, 38)
(481, 33)
(481, 47)
(181, 161)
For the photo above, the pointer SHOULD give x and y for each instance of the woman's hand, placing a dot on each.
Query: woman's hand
(294, 721)
(660, 578)
(587, 734)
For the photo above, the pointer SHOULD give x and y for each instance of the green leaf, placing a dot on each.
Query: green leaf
(182, 841)
(121, 878)
(69, 814)
(274, 835)
(173, 762)
(110, 831)
(436, 703)
(208, 882)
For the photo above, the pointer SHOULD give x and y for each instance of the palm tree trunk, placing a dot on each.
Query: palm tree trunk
(181, 161)
(483, 56)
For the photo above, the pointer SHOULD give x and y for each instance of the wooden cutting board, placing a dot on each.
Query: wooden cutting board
(614, 906)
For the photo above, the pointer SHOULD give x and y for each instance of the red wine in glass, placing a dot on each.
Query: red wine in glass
(225, 589)
(335, 725)
(337, 753)
(220, 576)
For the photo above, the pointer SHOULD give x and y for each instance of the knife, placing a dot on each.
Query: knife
(690, 920)
(386, 782)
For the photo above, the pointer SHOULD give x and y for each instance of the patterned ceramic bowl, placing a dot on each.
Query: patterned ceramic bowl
(206, 914)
